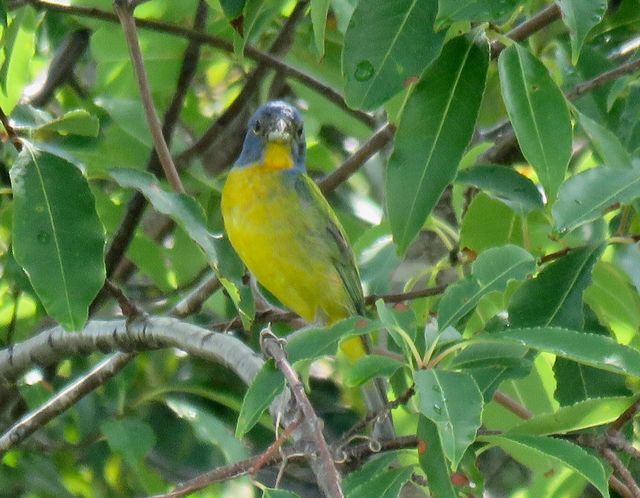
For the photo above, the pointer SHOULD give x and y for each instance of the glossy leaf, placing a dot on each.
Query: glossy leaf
(371, 366)
(232, 8)
(454, 403)
(184, 210)
(266, 385)
(315, 342)
(554, 297)
(278, 493)
(504, 184)
(534, 450)
(591, 349)
(493, 269)
(372, 467)
(539, 114)
(576, 382)
(385, 484)
(442, 110)
(77, 122)
(615, 302)
(581, 16)
(585, 196)
(473, 10)
(605, 142)
(579, 416)
(57, 236)
(375, 67)
(432, 459)
(18, 45)
(319, 9)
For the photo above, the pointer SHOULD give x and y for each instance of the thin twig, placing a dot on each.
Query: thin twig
(123, 10)
(129, 309)
(603, 79)
(249, 89)
(358, 426)
(326, 473)
(622, 471)
(357, 452)
(406, 296)
(11, 133)
(137, 204)
(620, 443)
(192, 303)
(512, 405)
(214, 41)
(377, 141)
(63, 400)
(527, 28)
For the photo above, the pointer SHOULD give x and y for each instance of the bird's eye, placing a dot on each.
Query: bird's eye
(257, 127)
(300, 131)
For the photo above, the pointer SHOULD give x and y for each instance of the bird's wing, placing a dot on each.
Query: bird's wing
(327, 225)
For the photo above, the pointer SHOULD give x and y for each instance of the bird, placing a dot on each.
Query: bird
(285, 231)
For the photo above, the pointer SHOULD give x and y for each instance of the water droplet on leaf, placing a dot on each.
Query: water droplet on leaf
(364, 71)
(437, 409)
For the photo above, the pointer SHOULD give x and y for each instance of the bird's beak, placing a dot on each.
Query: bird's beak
(280, 132)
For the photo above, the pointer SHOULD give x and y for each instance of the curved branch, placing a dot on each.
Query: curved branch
(54, 345)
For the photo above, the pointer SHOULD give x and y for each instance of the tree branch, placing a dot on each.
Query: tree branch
(214, 41)
(66, 398)
(123, 10)
(377, 141)
(53, 345)
(326, 473)
(11, 133)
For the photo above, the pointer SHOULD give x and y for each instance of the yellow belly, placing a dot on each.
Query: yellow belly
(265, 222)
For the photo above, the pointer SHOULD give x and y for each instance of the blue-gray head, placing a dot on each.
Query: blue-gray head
(275, 122)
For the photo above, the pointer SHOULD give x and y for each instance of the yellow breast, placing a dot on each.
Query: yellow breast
(265, 222)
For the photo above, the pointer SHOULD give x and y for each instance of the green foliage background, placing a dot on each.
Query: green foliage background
(503, 177)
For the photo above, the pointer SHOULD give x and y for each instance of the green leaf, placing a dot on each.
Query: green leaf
(578, 382)
(606, 143)
(581, 16)
(19, 47)
(585, 196)
(371, 366)
(209, 429)
(130, 438)
(278, 493)
(372, 467)
(432, 459)
(539, 114)
(473, 10)
(442, 110)
(375, 66)
(537, 452)
(554, 297)
(267, 384)
(385, 484)
(579, 416)
(614, 301)
(232, 8)
(319, 10)
(454, 403)
(483, 355)
(591, 349)
(184, 210)
(315, 342)
(505, 184)
(493, 269)
(55, 229)
(77, 122)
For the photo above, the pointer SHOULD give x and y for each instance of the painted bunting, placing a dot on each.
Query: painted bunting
(284, 230)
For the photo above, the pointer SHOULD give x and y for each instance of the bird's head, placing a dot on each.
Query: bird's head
(275, 137)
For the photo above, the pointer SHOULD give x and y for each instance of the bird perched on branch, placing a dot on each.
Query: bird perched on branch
(284, 230)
